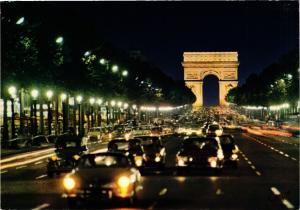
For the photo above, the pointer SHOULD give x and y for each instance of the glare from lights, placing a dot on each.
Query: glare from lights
(125, 73)
(59, 40)
(113, 103)
(99, 101)
(49, 94)
(92, 101)
(119, 103)
(34, 93)
(87, 53)
(79, 99)
(20, 21)
(12, 90)
(115, 68)
(102, 61)
(134, 106)
(290, 76)
(125, 105)
(63, 96)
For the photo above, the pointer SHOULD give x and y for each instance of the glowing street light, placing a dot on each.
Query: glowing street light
(115, 68)
(119, 103)
(125, 105)
(79, 99)
(289, 76)
(102, 61)
(34, 93)
(99, 101)
(113, 103)
(87, 53)
(125, 73)
(92, 101)
(12, 90)
(59, 40)
(49, 94)
(20, 21)
(134, 106)
(63, 96)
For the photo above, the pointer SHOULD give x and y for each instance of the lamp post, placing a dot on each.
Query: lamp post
(79, 99)
(99, 102)
(49, 95)
(92, 101)
(65, 111)
(113, 103)
(119, 111)
(12, 90)
(34, 95)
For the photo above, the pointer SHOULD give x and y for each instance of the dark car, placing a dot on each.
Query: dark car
(155, 152)
(102, 176)
(230, 150)
(200, 153)
(40, 140)
(131, 148)
(20, 142)
(67, 154)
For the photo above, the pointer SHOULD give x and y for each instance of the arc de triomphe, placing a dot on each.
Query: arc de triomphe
(197, 65)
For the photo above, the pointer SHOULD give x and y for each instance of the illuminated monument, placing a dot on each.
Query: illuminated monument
(198, 65)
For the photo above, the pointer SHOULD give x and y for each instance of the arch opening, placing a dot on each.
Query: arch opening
(211, 90)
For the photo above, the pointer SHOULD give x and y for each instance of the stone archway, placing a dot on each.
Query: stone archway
(197, 65)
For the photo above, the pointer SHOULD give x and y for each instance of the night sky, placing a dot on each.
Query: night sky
(260, 31)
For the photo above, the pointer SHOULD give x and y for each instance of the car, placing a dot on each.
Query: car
(20, 142)
(200, 152)
(95, 134)
(230, 150)
(40, 140)
(103, 176)
(131, 148)
(214, 130)
(67, 154)
(156, 131)
(155, 152)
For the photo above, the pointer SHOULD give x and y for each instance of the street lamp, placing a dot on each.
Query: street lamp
(125, 73)
(115, 68)
(79, 100)
(289, 76)
(59, 40)
(49, 95)
(34, 94)
(92, 101)
(65, 111)
(12, 90)
(20, 21)
(102, 61)
(87, 53)
(98, 115)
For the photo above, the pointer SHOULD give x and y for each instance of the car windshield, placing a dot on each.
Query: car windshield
(202, 144)
(92, 161)
(214, 127)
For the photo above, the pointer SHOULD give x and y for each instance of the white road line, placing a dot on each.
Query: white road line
(253, 167)
(39, 162)
(287, 203)
(3, 172)
(163, 192)
(275, 191)
(293, 158)
(40, 177)
(281, 152)
(258, 173)
(153, 205)
(286, 155)
(219, 192)
(19, 167)
(249, 162)
(45, 205)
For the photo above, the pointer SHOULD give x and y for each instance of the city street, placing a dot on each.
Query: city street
(267, 178)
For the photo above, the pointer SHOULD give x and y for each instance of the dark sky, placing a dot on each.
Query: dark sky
(260, 31)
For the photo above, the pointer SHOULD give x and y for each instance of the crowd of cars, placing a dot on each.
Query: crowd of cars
(116, 172)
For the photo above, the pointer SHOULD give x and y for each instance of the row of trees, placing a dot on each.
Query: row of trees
(65, 52)
(276, 84)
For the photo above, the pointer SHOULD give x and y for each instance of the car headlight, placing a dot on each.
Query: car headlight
(234, 156)
(123, 182)
(219, 132)
(54, 157)
(69, 183)
(76, 157)
(220, 155)
(157, 159)
(213, 162)
(181, 160)
(138, 160)
(127, 136)
(235, 150)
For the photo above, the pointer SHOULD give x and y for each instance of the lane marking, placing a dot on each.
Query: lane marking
(258, 173)
(275, 191)
(253, 167)
(250, 164)
(42, 206)
(287, 204)
(19, 167)
(3, 172)
(163, 192)
(153, 205)
(40, 177)
(293, 158)
(219, 192)
(39, 162)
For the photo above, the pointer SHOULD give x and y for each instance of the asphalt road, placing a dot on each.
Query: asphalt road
(267, 178)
